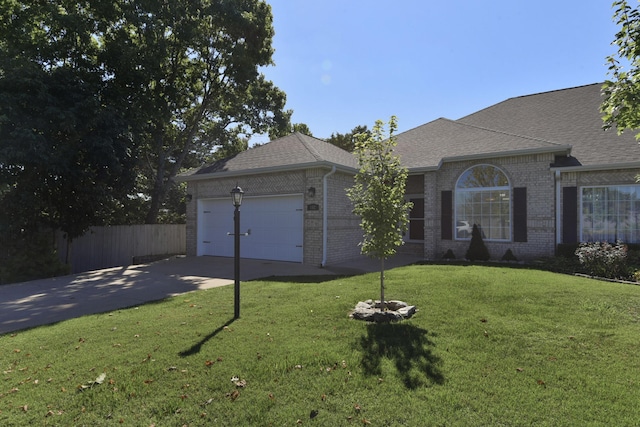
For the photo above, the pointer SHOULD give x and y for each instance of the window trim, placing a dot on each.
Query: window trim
(457, 190)
(581, 207)
(407, 198)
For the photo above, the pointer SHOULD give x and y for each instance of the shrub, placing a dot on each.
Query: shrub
(477, 249)
(449, 255)
(602, 259)
(509, 256)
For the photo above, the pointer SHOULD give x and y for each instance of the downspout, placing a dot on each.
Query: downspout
(325, 215)
(558, 213)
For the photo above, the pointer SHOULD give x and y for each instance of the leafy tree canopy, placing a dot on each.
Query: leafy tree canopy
(182, 75)
(378, 194)
(621, 104)
(347, 141)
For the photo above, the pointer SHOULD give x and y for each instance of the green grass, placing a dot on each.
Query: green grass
(489, 346)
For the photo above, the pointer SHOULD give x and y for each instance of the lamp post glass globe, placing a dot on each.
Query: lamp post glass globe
(236, 196)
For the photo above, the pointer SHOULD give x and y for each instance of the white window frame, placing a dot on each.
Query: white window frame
(582, 217)
(509, 194)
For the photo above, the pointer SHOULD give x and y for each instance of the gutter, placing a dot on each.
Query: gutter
(597, 167)
(325, 215)
(185, 177)
(558, 214)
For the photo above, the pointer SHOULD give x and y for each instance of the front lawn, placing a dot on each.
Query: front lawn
(489, 346)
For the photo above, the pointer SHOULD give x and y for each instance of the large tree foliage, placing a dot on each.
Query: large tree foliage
(347, 141)
(378, 195)
(184, 75)
(64, 157)
(621, 103)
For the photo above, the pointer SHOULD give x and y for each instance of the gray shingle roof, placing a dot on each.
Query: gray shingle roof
(567, 116)
(292, 151)
(566, 121)
(427, 146)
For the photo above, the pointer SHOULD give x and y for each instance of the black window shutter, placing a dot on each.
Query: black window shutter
(446, 218)
(570, 215)
(520, 214)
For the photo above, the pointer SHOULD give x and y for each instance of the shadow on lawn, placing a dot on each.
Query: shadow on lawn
(196, 347)
(407, 346)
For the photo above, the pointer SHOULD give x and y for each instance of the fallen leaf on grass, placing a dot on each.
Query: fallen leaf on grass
(95, 382)
(519, 369)
(233, 395)
(313, 414)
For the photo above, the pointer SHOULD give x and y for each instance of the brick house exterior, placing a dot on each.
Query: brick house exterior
(533, 172)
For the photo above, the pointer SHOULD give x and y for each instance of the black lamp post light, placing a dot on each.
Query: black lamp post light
(236, 198)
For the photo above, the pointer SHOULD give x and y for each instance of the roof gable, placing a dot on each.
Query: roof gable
(294, 151)
(427, 146)
(567, 116)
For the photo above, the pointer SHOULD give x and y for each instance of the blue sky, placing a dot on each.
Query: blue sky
(344, 63)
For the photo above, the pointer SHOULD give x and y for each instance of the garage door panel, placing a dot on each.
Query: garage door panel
(276, 225)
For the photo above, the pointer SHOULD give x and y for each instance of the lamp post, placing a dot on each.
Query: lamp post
(236, 198)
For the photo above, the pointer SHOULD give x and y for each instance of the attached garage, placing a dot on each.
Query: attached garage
(275, 224)
(294, 200)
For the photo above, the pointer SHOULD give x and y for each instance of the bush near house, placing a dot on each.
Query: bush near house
(477, 249)
(602, 259)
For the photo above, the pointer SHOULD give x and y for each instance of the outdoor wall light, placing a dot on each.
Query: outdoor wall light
(311, 192)
(189, 198)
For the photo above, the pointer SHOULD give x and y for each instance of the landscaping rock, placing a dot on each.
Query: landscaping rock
(371, 311)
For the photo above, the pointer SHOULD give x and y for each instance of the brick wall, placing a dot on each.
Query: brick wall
(530, 171)
(344, 227)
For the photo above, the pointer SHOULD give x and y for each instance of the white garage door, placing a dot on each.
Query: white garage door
(275, 222)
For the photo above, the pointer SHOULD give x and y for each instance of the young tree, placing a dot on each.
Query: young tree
(378, 195)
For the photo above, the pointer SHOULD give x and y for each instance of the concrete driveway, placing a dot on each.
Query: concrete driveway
(41, 302)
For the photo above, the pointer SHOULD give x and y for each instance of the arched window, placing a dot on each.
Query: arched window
(483, 197)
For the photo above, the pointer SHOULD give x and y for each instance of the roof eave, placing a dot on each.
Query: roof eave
(484, 156)
(597, 167)
(257, 171)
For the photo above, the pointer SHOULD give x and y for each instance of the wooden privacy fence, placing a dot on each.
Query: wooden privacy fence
(113, 246)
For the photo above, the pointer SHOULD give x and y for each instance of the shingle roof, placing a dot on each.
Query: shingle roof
(427, 146)
(567, 116)
(562, 122)
(292, 151)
